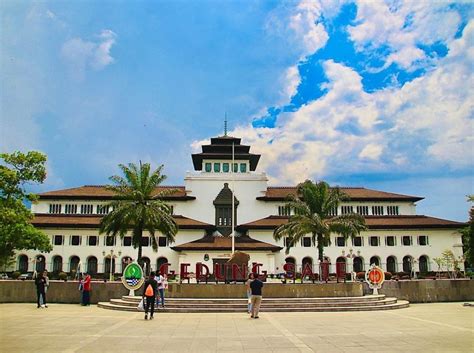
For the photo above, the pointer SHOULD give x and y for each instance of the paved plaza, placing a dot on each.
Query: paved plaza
(441, 327)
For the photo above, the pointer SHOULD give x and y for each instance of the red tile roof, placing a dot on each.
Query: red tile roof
(100, 192)
(93, 221)
(242, 243)
(280, 193)
(372, 222)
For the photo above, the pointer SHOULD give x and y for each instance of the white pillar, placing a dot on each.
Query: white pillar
(271, 262)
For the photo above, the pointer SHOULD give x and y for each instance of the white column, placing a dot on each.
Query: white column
(271, 262)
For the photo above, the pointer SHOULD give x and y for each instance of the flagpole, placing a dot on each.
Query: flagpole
(233, 206)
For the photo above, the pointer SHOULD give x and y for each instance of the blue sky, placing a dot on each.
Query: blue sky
(374, 94)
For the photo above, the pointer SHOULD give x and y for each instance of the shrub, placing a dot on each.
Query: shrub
(388, 275)
(360, 275)
(62, 276)
(16, 274)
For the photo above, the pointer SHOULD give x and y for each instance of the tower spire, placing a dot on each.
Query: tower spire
(225, 124)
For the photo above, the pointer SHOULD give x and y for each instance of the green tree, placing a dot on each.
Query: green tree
(313, 208)
(16, 231)
(138, 206)
(468, 236)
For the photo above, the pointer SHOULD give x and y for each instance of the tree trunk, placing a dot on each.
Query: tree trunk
(320, 247)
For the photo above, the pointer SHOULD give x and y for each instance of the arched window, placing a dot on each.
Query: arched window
(92, 265)
(57, 264)
(391, 264)
(74, 263)
(23, 263)
(423, 264)
(307, 260)
(146, 265)
(107, 265)
(40, 263)
(125, 261)
(290, 260)
(161, 260)
(341, 259)
(407, 264)
(375, 260)
(358, 264)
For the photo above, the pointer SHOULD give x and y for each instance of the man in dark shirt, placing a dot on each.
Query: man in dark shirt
(256, 299)
(150, 289)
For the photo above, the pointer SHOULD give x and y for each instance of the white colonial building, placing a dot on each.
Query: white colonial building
(397, 238)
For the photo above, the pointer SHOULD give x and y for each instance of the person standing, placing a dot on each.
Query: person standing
(150, 289)
(86, 290)
(256, 289)
(249, 292)
(40, 283)
(162, 285)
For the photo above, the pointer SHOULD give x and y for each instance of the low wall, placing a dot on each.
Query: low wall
(415, 291)
(428, 291)
(12, 291)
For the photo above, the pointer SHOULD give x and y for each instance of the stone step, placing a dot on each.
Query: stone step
(287, 303)
(326, 300)
(397, 305)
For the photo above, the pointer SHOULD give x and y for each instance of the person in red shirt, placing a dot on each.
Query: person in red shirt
(86, 290)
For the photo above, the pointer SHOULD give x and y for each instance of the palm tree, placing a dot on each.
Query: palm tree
(138, 206)
(313, 208)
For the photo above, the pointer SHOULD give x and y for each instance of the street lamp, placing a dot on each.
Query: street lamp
(112, 257)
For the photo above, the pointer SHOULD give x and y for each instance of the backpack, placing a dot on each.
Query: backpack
(149, 291)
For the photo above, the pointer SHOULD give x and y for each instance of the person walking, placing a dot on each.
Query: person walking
(86, 290)
(256, 289)
(150, 289)
(249, 292)
(40, 283)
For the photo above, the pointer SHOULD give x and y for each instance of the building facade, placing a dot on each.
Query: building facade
(397, 238)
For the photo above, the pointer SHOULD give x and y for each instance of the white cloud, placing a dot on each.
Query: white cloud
(80, 54)
(402, 27)
(424, 125)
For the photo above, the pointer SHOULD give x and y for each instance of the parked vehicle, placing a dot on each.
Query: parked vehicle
(3, 276)
(27, 276)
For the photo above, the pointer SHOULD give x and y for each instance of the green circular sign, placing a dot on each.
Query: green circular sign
(132, 277)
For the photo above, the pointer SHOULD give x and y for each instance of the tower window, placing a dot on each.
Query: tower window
(243, 167)
(208, 167)
(217, 167)
(225, 167)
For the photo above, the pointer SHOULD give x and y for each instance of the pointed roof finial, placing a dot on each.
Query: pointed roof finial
(225, 124)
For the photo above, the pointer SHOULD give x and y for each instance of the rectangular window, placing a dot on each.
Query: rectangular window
(423, 240)
(75, 240)
(92, 240)
(377, 210)
(363, 210)
(306, 242)
(127, 241)
(145, 241)
(347, 209)
(374, 241)
(208, 167)
(243, 167)
(284, 211)
(171, 209)
(55, 208)
(217, 167)
(58, 240)
(109, 241)
(102, 209)
(70, 209)
(333, 211)
(87, 209)
(162, 242)
(225, 167)
(340, 241)
(406, 240)
(390, 240)
(392, 210)
(357, 241)
(286, 242)
(236, 167)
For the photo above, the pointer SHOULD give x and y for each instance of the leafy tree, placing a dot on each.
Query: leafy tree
(468, 236)
(16, 230)
(312, 214)
(138, 206)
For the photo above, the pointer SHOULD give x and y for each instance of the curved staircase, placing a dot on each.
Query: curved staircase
(214, 305)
